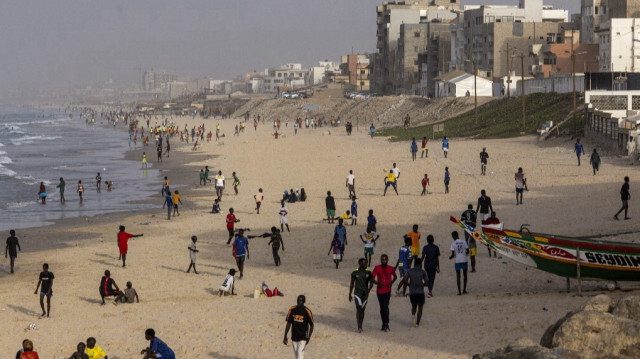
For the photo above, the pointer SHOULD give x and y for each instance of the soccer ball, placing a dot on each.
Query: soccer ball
(385, 170)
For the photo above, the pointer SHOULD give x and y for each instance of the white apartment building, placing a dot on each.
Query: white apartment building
(619, 45)
(290, 75)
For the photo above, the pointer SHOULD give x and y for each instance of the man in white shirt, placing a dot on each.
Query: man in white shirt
(219, 185)
(227, 286)
(351, 183)
(283, 217)
(459, 250)
(396, 172)
(521, 184)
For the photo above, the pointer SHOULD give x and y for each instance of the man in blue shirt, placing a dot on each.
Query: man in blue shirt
(240, 250)
(169, 203)
(403, 263)
(354, 211)
(578, 149)
(157, 348)
(341, 231)
(445, 146)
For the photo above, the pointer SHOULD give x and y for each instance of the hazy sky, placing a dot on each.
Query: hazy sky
(72, 43)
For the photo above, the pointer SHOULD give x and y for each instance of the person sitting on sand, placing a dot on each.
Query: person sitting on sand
(130, 294)
(157, 348)
(303, 195)
(228, 284)
(109, 288)
(80, 354)
(94, 351)
(216, 206)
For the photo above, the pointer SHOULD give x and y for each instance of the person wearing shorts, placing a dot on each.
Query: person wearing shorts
(404, 256)
(390, 180)
(459, 251)
(258, 197)
(46, 290)
(360, 287)
(12, 248)
(336, 249)
(416, 279)
(240, 251)
(415, 243)
(369, 238)
(231, 224)
(283, 217)
(331, 207)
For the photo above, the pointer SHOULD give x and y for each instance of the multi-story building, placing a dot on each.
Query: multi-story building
(435, 59)
(289, 75)
(157, 80)
(619, 45)
(356, 68)
(321, 73)
(390, 16)
(555, 58)
(594, 13)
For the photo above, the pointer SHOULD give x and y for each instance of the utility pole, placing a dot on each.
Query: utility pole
(508, 73)
(524, 123)
(475, 92)
(573, 78)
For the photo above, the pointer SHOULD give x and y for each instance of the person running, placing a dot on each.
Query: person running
(369, 238)
(336, 248)
(275, 242)
(236, 183)
(390, 180)
(12, 248)
(415, 243)
(445, 146)
(240, 251)
(192, 254)
(431, 260)
(202, 180)
(396, 172)
(176, 200)
(578, 149)
(219, 185)
(80, 189)
(157, 348)
(595, 161)
(46, 290)
(360, 286)
(384, 276)
(416, 279)
(300, 321)
(625, 195)
(231, 224)
(94, 351)
(402, 264)
(351, 184)
(144, 160)
(459, 250)
(258, 197)
(123, 243)
(61, 186)
(484, 156)
(414, 149)
(330, 204)
(98, 182)
(283, 217)
(447, 179)
(168, 201)
(425, 151)
(521, 185)
(484, 206)
(424, 183)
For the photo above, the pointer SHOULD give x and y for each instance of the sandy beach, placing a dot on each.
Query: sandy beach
(506, 300)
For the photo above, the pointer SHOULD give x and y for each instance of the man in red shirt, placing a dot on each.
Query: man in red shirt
(123, 239)
(231, 224)
(384, 276)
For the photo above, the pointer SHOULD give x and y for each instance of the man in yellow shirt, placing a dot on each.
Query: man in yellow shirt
(414, 235)
(94, 351)
(390, 180)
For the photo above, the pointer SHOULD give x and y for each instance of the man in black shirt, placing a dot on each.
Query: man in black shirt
(12, 248)
(46, 290)
(331, 207)
(469, 218)
(484, 205)
(430, 254)
(300, 321)
(483, 161)
(625, 196)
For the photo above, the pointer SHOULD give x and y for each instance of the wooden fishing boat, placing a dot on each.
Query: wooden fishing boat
(564, 256)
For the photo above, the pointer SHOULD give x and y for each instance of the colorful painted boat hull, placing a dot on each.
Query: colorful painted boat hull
(559, 255)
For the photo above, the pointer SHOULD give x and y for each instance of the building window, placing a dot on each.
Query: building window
(416, 49)
(416, 34)
(596, 9)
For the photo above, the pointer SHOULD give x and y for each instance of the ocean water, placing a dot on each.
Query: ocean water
(43, 145)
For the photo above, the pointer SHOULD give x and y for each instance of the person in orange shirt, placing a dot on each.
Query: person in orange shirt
(415, 243)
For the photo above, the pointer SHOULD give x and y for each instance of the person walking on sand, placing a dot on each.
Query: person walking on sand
(275, 242)
(445, 146)
(431, 260)
(283, 217)
(176, 200)
(240, 251)
(625, 195)
(80, 189)
(12, 248)
(390, 180)
(369, 238)
(61, 186)
(521, 185)
(351, 184)
(330, 204)
(46, 290)
(258, 197)
(144, 160)
(459, 250)
(192, 254)
(168, 201)
(425, 151)
(341, 231)
(578, 149)
(484, 206)
(416, 279)
(484, 156)
(354, 211)
(360, 286)
(300, 321)
(425, 183)
(219, 185)
(231, 224)
(595, 161)
(414, 149)
(236, 183)
(384, 276)
(123, 243)
(447, 179)
(336, 248)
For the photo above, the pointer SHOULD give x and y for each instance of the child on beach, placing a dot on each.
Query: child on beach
(176, 200)
(228, 284)
(216, 206)
(80, 353)
(336, 248)
(168, 201)
(258, 197)
(192, 254)
(354, 211)
(61, 186)
(236, 182)
(283, 217)
(275, 243)
(202, 180)
(425, 183)
(369, 238)
(144, 160)
(231, 223)
(425, 151)
(371, 220)
(404, 255)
